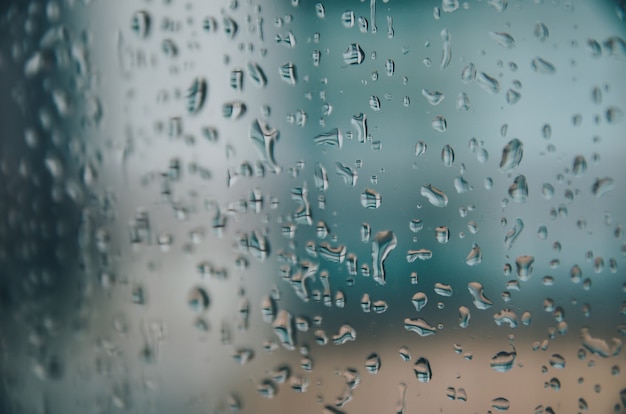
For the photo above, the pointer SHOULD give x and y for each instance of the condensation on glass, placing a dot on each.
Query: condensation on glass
(299, 206)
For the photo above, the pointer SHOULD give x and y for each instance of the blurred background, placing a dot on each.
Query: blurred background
(337, 206)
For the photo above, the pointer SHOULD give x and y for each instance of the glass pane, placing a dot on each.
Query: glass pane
(296, 206)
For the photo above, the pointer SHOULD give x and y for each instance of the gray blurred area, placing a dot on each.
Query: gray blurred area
(184, 187)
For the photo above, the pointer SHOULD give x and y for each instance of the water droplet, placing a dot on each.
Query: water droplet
(434, 97)
(379, 306)
(514, 233)
(420, 148)
(499, 5)
(390, 67)
(594, 48)
(464, 316)
(602, 186)
(500, 404)
(614, 115)
(198, 299)
(354, 55)
(283, 328)
(416, 225)
(511, 155)
(503, 39)
(268, 309)
(475, 256)
(370, 199)
(346, 334)
(374, 102)
(468, 74)
(363, 24)
(488, 83)
(267, 388)
(332, 254)
(513, 96)
(196, 95)
(422, 370)
(233, 109)
(243, 355)
(372, 363)
(384, 242)
(443, 289)
(503, 361)
(480, 300)
(540, 65)
(230, 27)
(461, 186)
(440, 124)
(451, 393)
(264, 138)
(506, 316)
(435, 196)
(332, 138)
(524, 265)
(557, 361)
(316, 55)
(236, 79)
(519, 189)
(442, 234)
(359, 122)
(405, 354)
(288, 74)
(580, 166)
(541, 32)
(320, 10)
(140, 23)
(447, 156)
(449, 6)
(365, 232)
(463, 102)
(421, 254)
(257, 75)
(347, 19)
(446, 55)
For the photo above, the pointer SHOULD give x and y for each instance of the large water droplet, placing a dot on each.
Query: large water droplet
(602, 186)
(488, 83)
(503, 39)
(196, 95)
(384, 242)
(346, 334)
(419, 300)
(288, 74)
(511, 155)
(519, 189)
(419, 326)
(524, 266)
(500, 404)
(354, 55)
(283, 328)
(503, 361)
(433, 97)
(332, 138)
(464, 316)
(371, 199)
(422, 370)
(475, 256)
(435, 196)
(540, 65)
(480, 300)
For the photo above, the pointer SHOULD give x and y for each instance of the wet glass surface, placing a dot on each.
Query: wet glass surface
(340, 206)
